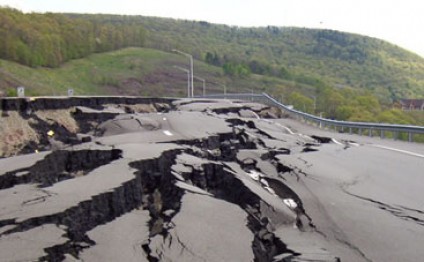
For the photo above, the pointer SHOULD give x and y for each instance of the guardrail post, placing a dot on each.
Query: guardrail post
(360, 131)
(382, 134)
(350, 130)
(395, 135)
(410, 137)
(370, 132)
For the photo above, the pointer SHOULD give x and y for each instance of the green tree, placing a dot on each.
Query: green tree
(237, 70)
(395, 116)
(260, 68)
(301, 102)
(213, 59)
(362, 116)
(51, 39)
(344, 112)
(328, 100)
(284, 73)
(369, 103)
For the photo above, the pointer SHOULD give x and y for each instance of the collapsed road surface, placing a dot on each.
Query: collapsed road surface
(201, 180)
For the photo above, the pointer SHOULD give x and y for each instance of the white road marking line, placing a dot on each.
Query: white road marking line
(399, 150)
(286, 128)
(256, 115)
(167, 132)
(305, 136)
(353, 144)
(302, 135)
(336, 142)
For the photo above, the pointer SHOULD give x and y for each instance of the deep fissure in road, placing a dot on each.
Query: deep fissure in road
(58, 166)
(154, 188)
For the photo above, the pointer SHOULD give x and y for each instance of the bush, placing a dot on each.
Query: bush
(11, 92)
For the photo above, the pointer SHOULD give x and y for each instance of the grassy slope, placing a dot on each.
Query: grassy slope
(104, 73)
(131, 71)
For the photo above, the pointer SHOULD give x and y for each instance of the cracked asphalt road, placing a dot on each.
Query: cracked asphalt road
(208, 180)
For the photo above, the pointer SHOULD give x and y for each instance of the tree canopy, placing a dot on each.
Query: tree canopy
(51, 39)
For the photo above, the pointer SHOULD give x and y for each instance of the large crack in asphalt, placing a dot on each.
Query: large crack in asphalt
(154, 189)
(160, 196)
(220, 147)
(58, 166)
(215, 179)
(105, 207)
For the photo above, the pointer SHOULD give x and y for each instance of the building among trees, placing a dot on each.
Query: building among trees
(410, 104)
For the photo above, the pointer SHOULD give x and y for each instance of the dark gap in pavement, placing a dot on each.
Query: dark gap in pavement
(322, 139)
(222, 184)
(100, 209)
(58, 166)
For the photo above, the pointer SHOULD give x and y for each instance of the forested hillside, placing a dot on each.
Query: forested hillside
(305, 55)
(52, 39)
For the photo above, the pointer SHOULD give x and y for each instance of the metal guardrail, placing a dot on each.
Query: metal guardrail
(359, 127)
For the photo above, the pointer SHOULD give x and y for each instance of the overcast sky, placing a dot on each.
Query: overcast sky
(398, 21)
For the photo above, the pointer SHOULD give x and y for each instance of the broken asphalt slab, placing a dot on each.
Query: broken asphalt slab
(201, 180)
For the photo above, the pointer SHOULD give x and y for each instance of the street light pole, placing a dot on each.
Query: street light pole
(188, 78)
(204, 84)
(191, 68)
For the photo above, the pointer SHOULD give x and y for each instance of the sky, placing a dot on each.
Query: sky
(400, 22)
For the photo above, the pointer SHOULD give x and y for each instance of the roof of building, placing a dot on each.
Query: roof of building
(415, 103)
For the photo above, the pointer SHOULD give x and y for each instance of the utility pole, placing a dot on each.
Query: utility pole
(191, 68)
